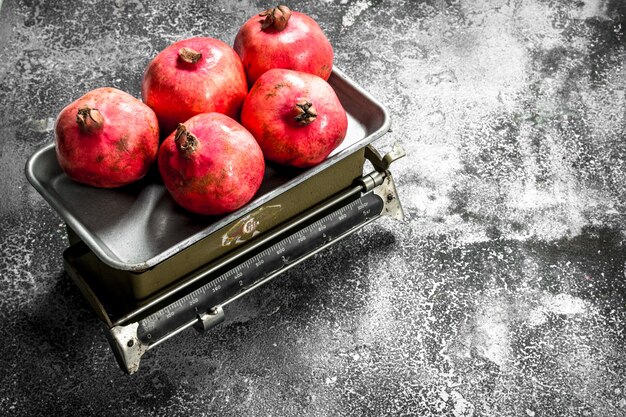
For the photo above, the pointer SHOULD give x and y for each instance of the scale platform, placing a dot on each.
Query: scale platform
(150, 269)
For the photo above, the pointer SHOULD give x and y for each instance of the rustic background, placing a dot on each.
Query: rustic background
(501, 294)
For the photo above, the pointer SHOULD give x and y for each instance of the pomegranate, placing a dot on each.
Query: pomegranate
(211, 164)
(296, 117)
(106, 138)
(193, 76)
(282, 38)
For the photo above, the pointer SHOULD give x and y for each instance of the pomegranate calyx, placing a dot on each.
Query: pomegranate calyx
(305, 112)
(186, 142)
(188, 55)
(276, 17)
(89, 120)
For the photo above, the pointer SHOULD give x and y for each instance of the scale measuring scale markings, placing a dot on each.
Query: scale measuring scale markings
(202, 307)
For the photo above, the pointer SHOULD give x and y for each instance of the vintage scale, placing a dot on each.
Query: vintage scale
(150, 270)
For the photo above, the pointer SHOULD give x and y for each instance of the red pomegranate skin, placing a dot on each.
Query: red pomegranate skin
(112, 144)
(270, 112)
(300, 46)
(218, 175)
(177, 90)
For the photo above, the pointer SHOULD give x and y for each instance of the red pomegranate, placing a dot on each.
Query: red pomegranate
(211, 164)
(296, 117)
(282, 38)
(106, 138)
(193, 76)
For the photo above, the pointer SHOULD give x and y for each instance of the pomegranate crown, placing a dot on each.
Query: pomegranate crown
(305, 112)
(276, 17)
(186, 142)
(89, 119)
(188, 55)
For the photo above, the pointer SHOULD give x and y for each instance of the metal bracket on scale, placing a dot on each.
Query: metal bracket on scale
(382, 178)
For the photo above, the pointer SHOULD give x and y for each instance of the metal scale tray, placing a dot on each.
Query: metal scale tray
(134, 254)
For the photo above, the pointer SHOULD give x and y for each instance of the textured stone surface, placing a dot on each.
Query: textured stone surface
(502, 293)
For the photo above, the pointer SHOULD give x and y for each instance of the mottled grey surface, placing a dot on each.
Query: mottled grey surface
(502, 293)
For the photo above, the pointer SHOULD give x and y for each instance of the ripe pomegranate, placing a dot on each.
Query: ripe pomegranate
(193, 76)
(106, 138)
(296, 117)
(281, 38)
(211, 164)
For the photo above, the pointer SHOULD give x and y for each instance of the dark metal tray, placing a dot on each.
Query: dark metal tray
(135, 227)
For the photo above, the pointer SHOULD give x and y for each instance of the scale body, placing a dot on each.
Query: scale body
(200, 300)
(150, 269)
